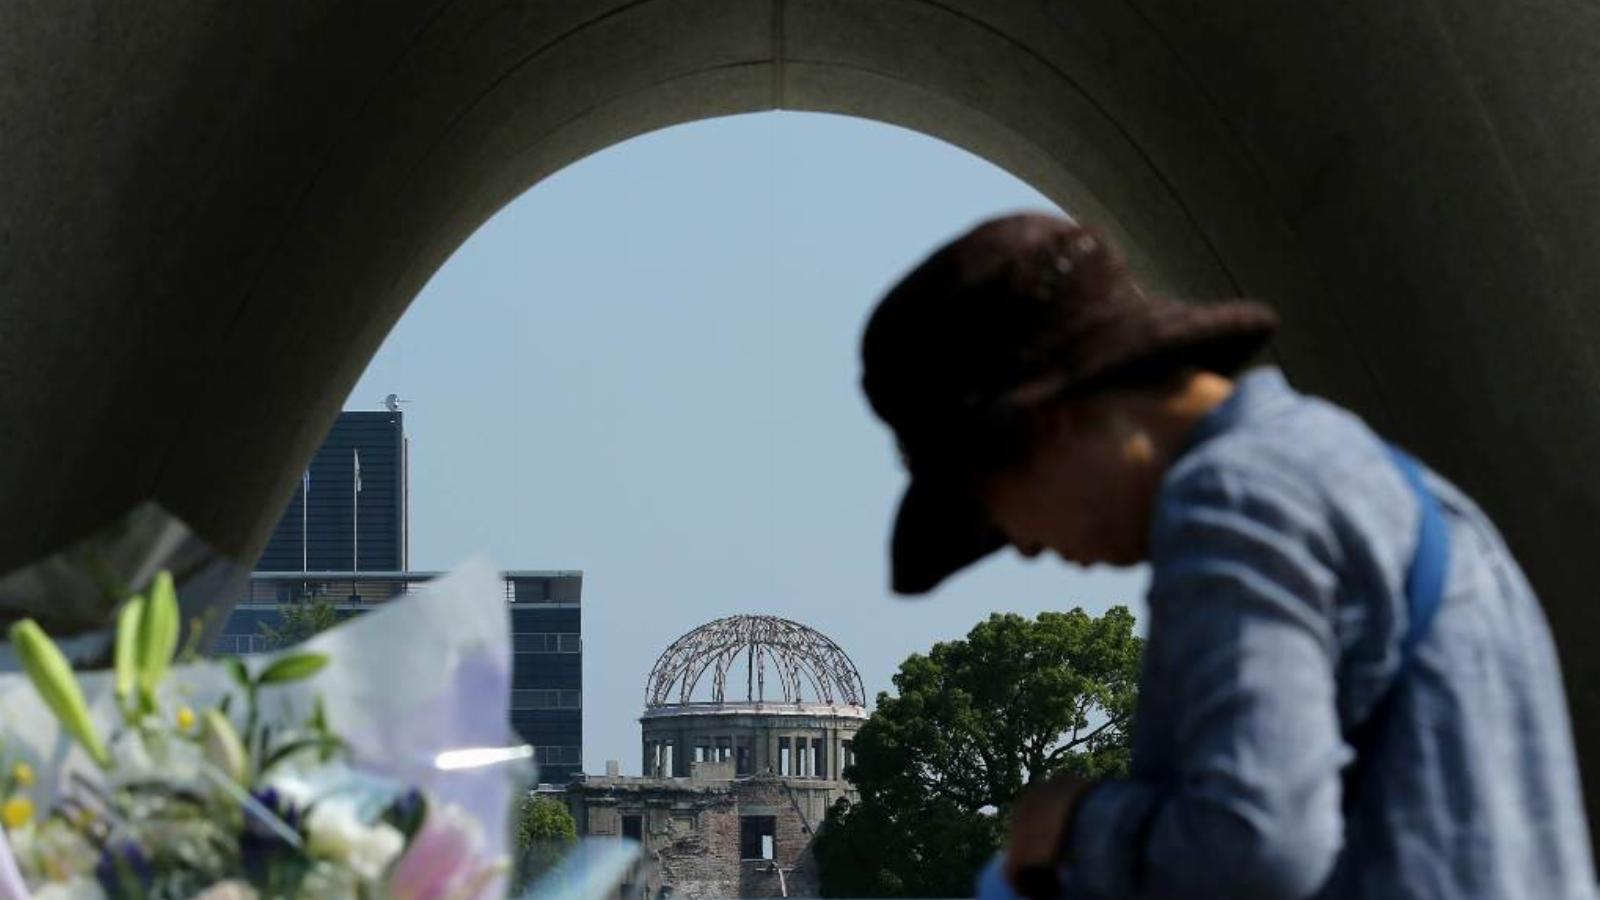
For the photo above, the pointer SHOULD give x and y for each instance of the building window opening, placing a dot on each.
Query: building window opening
(783, 757)
(847, 756)
(742, 757)
(819, 758)
(633, 828)
(724, 749)
(758, 837)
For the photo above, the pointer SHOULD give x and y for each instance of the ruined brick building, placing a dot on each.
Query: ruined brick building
(747, 729)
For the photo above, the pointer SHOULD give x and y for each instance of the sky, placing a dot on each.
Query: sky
(646, 368)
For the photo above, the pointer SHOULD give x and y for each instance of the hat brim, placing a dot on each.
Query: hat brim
(1219, 336)
(941, 530)
(937, 532)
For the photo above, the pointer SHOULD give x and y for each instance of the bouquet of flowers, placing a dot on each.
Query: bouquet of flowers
(369, 763)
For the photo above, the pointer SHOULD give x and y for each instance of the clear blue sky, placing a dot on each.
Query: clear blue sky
(645, 368)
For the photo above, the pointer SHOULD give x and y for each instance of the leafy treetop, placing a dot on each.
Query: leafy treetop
(973, 722)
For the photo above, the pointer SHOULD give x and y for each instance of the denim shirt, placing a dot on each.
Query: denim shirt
(1280, 544)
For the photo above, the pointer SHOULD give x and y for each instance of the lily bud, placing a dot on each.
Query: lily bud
(52, 678)
(126, 660)
(158, 636)
(221, 746)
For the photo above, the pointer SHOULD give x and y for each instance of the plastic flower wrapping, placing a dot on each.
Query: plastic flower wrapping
(372, 761)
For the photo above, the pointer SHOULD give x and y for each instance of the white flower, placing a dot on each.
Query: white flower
(227, 890)
(337, 834)
(79, 888)
(130, 758)
(52, 850)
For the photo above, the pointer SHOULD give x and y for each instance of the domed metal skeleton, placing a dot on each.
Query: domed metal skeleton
(806, 665)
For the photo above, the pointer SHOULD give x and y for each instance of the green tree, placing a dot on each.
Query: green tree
(973, 723)
(300, 619)
(545, 832)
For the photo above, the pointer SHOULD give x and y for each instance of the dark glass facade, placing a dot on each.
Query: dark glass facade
(321, 528)
(546, 613)
(312, 553)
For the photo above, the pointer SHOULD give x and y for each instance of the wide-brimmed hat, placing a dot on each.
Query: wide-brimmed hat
(1034, 302)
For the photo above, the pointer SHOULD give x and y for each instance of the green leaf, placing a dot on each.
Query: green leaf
(287, 750)
(293, 667)
(239, 671)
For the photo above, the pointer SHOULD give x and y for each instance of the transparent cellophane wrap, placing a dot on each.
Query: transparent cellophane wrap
(415, 678)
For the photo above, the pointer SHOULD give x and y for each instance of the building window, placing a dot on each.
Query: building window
(785, 763)
(547, 642)
(544, 699)
(758, 837)
(661, 762)
(742, 756)
(633, 828)
(819, 757)
(525, 590)
(558, 756)
(804, 763)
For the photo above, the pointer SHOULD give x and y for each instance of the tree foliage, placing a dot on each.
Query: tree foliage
(545, 832)
(300, 620)
(973, 722)
(543, 819)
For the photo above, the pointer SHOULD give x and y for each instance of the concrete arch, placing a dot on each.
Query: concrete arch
(211, 213)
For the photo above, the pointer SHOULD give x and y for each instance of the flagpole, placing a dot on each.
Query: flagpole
(305, 497)
(355, 514)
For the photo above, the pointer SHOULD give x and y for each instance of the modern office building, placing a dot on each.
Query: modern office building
(349, 511)
(344, 542)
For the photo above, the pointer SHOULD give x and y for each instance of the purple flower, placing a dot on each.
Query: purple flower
(124, 869)
(279, 805)
(407, 812)
(263, 849)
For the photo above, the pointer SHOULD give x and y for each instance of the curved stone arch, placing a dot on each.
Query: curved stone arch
(211, 213)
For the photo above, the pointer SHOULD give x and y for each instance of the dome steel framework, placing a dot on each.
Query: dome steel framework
(808, 666)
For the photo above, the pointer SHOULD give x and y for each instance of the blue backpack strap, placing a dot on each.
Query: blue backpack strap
(1425, 580)
(1424, 593)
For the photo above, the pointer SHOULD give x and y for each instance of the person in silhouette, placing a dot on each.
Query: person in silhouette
(1348, 688)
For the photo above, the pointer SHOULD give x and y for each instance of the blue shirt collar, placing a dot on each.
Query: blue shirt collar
(1256, 392)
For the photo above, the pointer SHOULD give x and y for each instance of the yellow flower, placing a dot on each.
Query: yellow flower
(185, 718)
(22, 773)
(17, 812)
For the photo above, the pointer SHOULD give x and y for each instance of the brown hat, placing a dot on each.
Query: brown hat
(1018, 301)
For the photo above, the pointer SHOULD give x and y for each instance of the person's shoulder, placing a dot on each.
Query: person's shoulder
(1298, 464)
(1278, 476)
(1297, 443)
